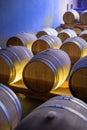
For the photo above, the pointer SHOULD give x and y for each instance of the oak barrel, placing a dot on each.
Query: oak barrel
(74, 47)
(47, 70)
(10, 109)
(47, 31)
(12, 61)
(71, 16)
(58, 113)
(66, 33)
(22, 39)
(77, 30)
(78, 79)
(59, 28)
(83, 35)
(45, 42)
(83, 17)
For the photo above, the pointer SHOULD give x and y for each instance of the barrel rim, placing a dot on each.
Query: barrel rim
(27, 84)
(12, 38)
(70, 85)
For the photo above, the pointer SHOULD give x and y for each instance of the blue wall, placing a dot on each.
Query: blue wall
(28, 15)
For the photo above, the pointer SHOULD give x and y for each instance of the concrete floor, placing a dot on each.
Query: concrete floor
(28, 104)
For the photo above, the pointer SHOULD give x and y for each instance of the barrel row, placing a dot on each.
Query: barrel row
(10, 108)
(67, 40)
(14, 60)
(46, 70)
(49, 69)
(46, 40)
(73, 16)
(75, 47)
(56, 42)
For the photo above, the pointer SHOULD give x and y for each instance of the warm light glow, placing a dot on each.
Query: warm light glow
(84, 52)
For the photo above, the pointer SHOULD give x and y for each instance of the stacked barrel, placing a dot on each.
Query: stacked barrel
(73, 16)
(44, 61)
(77, 21)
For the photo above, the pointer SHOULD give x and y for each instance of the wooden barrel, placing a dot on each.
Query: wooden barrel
(12, 62)
(10, 109)
(45, 42)
(83, 17)
(74, 47)
(66, 33)
(71, 17)
(22, 39)
(47, 70)
(58, 113)
(78, 79)
(83, 35)
(59, 28)
(77, 30)
(47, 31)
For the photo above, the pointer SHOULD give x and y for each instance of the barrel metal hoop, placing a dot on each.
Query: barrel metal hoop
(75, 100)
(59, 106)
(14, 99)
(6, 114)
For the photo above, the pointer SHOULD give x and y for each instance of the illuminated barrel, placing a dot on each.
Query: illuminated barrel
(60, 112)
(78, 79)
(71, 16)
(47, 70)
(22, 39)
(83, 35)
(10, 109)
(45, 42)
(83, 17)
(75, 48)
(12, 62)
(66, 33)
(47, 31)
